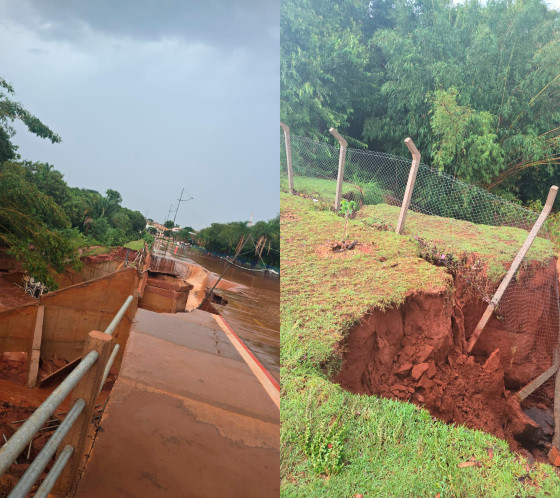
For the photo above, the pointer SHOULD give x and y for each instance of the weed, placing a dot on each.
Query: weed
(324, 447)
(346, 209)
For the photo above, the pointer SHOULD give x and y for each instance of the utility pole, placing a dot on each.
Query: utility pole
(179, 200)
(168, 216)
(169, 212)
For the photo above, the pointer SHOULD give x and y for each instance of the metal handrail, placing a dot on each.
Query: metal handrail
(15, 445)
(113, 325)
(110, 362)
(51, 478)
(26, 482)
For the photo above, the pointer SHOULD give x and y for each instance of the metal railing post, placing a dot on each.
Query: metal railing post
(341, 161)
(409, 184)
(88, 390)
(288, 142)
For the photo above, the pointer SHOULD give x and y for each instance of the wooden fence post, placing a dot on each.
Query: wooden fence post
(513, 268)
(409, 185)
(341, 160)
(556, 437)
(88, 390)
(288, 142)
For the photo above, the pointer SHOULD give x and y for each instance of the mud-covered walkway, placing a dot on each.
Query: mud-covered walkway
(186, 417)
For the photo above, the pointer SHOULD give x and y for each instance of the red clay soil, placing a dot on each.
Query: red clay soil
(417, 353)
(118, 253)
(12, 296)
(526, 334)
(18, 402)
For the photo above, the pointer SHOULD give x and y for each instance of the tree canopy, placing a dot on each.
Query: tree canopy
(44, 222)
(224, 237)
(475, 84)
(10, 110)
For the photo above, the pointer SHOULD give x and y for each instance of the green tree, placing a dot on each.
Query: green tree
(33, 227)
(185, 234)
(475, 84)
(10, 110)
(121, 221)
(323, 65)
(137, 220)
(224, 238)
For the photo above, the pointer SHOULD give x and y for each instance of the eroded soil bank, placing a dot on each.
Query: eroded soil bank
(417, 352)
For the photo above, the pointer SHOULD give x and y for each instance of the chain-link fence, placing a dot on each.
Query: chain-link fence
(474, 233)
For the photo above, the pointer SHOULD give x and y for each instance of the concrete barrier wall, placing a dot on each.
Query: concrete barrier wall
(16, 328)
(165, 295)
(71, 313)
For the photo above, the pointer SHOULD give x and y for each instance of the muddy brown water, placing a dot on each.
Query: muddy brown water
(253, 305)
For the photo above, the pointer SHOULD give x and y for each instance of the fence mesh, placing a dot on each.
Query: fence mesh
(474, 233)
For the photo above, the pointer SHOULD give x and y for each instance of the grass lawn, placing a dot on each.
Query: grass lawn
(325, 189)
(136, 245)
(95, 250)
(334, 443)
(496, 246)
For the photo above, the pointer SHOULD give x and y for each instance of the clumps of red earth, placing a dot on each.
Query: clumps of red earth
(118, 253)
(13, 367)
(417, 353)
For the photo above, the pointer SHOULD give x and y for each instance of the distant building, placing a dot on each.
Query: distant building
(158, 226)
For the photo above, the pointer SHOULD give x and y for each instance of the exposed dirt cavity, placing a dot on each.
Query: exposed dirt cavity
(417, 352)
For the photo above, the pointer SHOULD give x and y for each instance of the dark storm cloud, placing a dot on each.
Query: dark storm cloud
(150, 97)
(235, 23)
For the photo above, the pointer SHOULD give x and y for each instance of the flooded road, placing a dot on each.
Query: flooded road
(253, 308)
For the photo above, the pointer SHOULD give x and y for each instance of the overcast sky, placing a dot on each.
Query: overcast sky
(150, 97)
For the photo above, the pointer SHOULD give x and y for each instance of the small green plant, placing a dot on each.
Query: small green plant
(324, 447)
(347, 208)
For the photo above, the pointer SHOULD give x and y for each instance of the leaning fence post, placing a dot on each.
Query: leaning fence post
(88, 390)
(341, 160)
(513, 268)
(288, 142)
(410, 184)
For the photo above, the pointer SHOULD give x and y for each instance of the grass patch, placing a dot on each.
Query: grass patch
(496, 247)
(95, 250)
(325, 189)
(136, 245)
(377, 446)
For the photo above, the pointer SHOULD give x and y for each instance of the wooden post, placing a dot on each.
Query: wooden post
(513, 268)
(35, 349)
(556, 437)
(341, 160)
(288, 142)
(409, 185)
(87, 389)
(538, 382)
(556, 360)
